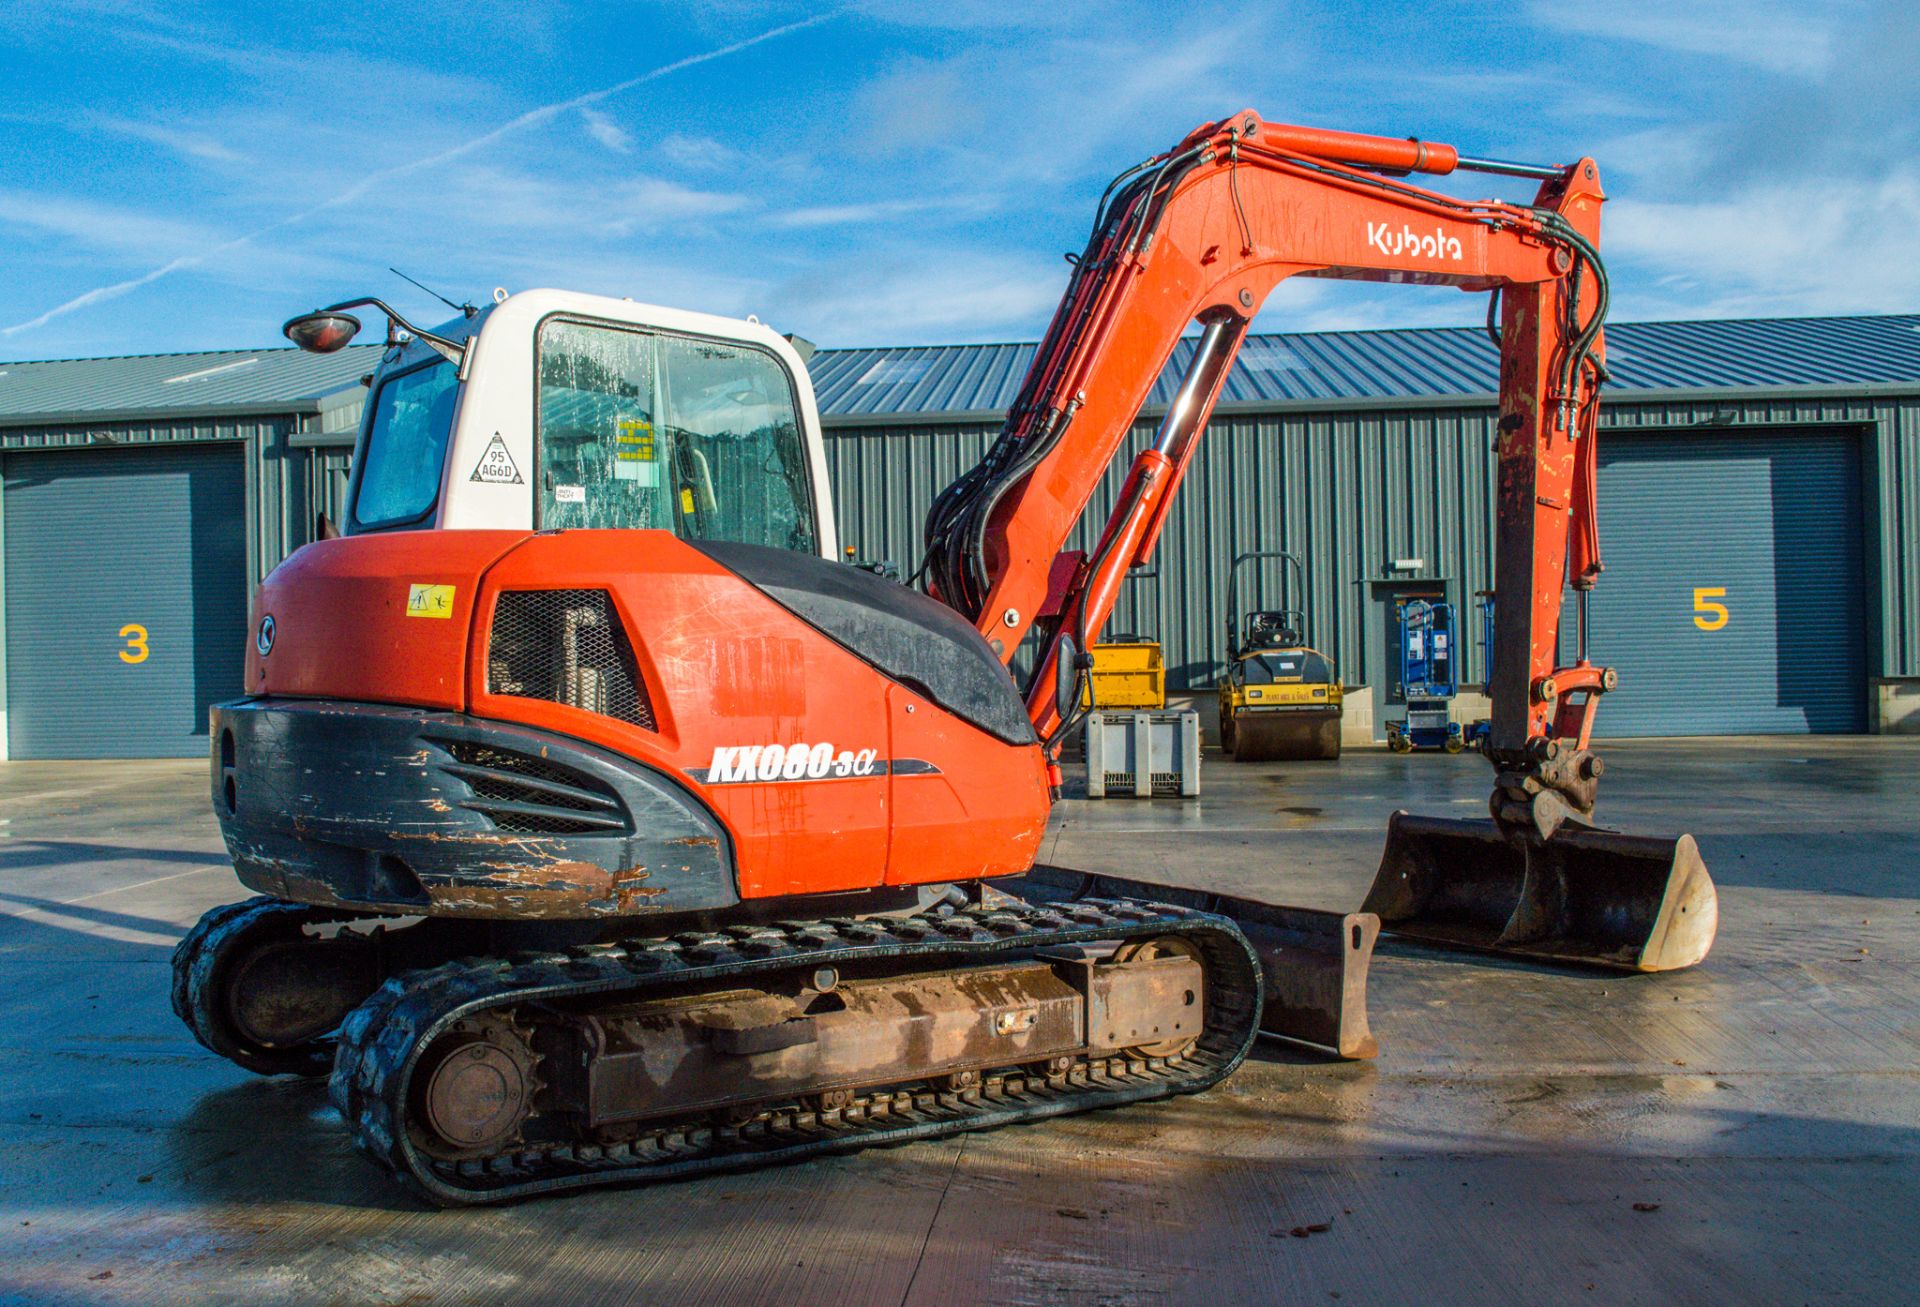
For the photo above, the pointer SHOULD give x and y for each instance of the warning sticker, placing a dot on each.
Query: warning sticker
(569, 494)
(429, 600)
(496, 466)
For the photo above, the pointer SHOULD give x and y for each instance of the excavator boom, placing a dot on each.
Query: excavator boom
(1201, 236)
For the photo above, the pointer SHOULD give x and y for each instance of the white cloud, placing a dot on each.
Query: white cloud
(606, 131)
(1039, 111)
(612, 271)
(100, 226)
(193, 145)
(697, 152)
(1781, 36)
(1659, 155)
(533, 117)
(1337, 304)
(344, 74)
(893, 300)
(550, 210)
(1778, 247)
(858, 213)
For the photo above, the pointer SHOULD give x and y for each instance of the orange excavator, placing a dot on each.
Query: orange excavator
(607, 828)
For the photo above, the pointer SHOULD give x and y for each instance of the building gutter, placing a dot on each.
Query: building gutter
(107, 417)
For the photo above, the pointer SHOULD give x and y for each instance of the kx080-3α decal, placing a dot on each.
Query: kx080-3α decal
(761, 764)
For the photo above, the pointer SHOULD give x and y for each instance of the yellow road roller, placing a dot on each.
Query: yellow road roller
(1280, 698)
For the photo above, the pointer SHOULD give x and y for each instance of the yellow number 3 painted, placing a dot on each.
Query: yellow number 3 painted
(136, 637)
(1707, 615)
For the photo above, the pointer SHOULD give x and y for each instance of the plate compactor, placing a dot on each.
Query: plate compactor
(606, 829)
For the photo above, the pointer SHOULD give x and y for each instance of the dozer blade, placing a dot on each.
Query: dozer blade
(1313, 964)
(1632, 902)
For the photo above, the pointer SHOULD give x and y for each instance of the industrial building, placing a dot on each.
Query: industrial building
(1759, 493)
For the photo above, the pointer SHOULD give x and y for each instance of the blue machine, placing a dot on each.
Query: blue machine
(1427, 680)
(1478, 732)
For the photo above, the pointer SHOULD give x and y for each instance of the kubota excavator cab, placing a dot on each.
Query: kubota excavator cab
(575, 620)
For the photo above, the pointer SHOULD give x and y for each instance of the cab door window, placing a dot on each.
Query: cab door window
(599, 453)
(642, 429)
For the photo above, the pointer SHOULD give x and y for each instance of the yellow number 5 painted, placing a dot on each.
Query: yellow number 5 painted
(1707, 615)
(136, 637)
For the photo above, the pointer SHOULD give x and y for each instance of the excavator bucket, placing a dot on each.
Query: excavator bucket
(1631, 902)
(1313, 964)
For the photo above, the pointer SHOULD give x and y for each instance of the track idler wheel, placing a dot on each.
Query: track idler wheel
(255, 987)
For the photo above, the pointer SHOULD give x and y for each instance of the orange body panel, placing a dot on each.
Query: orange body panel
(967, 822)
(725, 668)
(340, 624)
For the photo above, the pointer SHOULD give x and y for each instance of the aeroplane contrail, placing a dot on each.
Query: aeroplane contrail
(531, 117)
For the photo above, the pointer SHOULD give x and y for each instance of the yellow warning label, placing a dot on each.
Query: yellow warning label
(686, 502)
(429, 600)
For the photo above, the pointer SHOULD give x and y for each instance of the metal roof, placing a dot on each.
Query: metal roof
(1314, 369)
(213, 383)
(935, 382)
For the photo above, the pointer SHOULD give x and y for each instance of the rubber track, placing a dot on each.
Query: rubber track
(382, 1040)
(199, 957)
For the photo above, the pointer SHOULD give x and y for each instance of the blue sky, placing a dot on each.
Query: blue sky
(182, 176)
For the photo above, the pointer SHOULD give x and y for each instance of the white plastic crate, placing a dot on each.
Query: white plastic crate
(1142, 754)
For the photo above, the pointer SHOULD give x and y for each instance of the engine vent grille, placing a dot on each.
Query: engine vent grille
(566, 646)
(529, 795)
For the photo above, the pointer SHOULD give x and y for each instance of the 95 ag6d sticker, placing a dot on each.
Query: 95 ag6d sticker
(764, 764)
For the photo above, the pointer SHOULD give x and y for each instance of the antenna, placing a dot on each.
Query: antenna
(466, 309)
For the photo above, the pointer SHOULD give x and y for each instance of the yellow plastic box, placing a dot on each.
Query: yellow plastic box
(1127, 676)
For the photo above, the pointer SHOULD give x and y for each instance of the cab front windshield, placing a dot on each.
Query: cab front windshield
(641, 429)
(406, 446)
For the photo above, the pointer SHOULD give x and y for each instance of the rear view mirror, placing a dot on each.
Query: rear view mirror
(1066, 678)
(322, 332)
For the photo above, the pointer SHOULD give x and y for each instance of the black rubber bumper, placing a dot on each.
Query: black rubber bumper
(402, 810)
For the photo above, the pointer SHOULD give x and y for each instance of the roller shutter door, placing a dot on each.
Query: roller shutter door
(126, 603)
(1734, 596)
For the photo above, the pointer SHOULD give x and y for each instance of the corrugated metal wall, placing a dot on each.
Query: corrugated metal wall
(1350, 492)
(279, 485)
(324, 477)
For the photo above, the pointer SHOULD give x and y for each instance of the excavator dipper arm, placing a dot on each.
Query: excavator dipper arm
(1202, 234)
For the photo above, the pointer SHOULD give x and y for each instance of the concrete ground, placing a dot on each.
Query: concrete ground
(1746, 1132)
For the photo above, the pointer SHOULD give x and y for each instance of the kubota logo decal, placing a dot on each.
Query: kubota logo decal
(742, 764)
(1433, 245)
